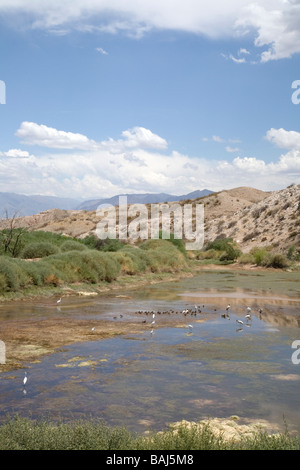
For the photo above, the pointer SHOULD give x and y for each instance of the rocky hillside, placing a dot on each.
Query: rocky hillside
(249, 216)
(274, 220)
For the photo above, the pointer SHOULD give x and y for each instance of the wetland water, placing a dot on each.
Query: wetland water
(146, 380)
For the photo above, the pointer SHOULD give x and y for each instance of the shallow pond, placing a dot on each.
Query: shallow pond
(216, 367)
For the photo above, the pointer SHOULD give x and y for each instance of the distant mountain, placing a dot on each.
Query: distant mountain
(21, 205)
(146, 198)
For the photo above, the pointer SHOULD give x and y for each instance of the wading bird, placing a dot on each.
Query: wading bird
(25, 379)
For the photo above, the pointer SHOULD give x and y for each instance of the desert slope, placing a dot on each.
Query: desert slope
(273, 220)
(250, 216)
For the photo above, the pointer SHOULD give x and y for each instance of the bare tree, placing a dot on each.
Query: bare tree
(10, 236)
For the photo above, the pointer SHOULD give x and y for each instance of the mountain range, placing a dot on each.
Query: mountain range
(146, 198)
(12, 204)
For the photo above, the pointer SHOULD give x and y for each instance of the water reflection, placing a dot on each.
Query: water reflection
(214, 368)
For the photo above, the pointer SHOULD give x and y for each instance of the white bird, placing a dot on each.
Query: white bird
(240, 321)
(248, 316)
(25, 379)
(190, 327)
(153, 315)
(93, 329)
(248, 309)
(153, 323)
(59, 301)
(228, 307)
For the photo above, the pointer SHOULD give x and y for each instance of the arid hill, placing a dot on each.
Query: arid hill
(273, 220)
(249, 216)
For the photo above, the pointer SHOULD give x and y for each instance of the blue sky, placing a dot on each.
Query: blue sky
(148, 96)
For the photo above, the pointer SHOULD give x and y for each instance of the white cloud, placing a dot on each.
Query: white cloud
(243, 51)
(273, 23)
(218, 139)
(284, 139)
(277, 27)
(42, 135)
(249, 164)
(15, 153)
(101, 50)
(231, 149)
(139, 161)
(141, 137)
(236, 60)
(36, 134)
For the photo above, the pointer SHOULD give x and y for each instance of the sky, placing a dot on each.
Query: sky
(102, 97)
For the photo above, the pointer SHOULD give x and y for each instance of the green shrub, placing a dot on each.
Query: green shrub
(163, 256)
(132, 260)
(293, 253)
(178, 242)
(26, 434)
(153, 244)
(38, 250)
(259, 254)
(41, 273)
(87, 266)
(112, 267)
(209, 254)
(230, 253)
(263, 256)
(219, 244)
(276, 260)
(70, 245)
(15, 276)
(3, 283)
(109, 244)
(246, 258)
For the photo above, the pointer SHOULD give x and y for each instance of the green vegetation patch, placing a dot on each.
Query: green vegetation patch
(25, 434)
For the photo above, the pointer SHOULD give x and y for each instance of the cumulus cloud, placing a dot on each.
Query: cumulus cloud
(286, 169)
(15, 153)
(32, 133)
(141, 137)
(284, 139)
(274, 24)
(39, 134)
(139, 161)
